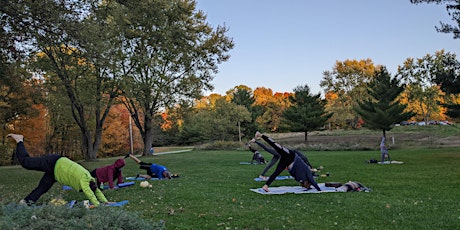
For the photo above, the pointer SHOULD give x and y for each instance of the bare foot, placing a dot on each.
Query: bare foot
(263, 177)
(17, 137)
(265, 188)
(258, 135)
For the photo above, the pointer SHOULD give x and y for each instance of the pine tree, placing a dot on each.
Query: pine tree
(382, 110)
(307, 112)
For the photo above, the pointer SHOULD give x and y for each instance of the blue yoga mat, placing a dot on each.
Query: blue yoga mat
(72, 203)
(119, 203)
(140, 178)
(122, 185)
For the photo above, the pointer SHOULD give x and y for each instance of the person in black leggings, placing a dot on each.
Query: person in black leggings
(276, 157)
(288, 158)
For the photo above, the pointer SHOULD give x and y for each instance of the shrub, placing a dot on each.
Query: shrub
(61, 217)
(5, 155)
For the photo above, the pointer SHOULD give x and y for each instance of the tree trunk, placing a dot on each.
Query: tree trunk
(148, 135)
(306, 137)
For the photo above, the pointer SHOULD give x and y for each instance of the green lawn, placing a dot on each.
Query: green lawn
(213, 192)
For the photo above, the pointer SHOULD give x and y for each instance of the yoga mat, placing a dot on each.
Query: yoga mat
(249, 163)
(391, 162)
(140, 178)
(72, 203)
(277, 178)
(119, 203)
(294, 189)
(122, 185)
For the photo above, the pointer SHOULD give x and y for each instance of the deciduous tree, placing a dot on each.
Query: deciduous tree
(172, 55)
(421, 92)
(453, 9)
(348, 81)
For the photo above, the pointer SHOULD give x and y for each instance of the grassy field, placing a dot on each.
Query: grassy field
(213, 192)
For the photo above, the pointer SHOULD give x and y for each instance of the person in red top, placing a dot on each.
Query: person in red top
(109, 173)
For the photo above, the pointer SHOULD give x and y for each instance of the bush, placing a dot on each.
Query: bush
(5, 155)
(61, 217)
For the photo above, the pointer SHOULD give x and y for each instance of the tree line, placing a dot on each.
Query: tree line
(74, 74)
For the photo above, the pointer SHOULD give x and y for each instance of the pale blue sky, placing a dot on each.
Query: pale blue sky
(284, 44)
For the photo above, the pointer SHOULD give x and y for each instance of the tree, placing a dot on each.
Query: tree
(243, 95)
(453, 9)
(382, 110)
(172, 54)
(348, 81)
(76, 44)
(448, 80)
(421, 91)
(16, 96)
(269, 107)
(307, 112)
(214, 120)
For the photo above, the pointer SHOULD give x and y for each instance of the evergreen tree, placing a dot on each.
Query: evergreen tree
(307, 112)
(382, 110)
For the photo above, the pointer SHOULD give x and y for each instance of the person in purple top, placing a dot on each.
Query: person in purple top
(289, 159)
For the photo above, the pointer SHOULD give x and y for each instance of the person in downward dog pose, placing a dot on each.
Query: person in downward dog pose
(60, 169)
(290, 160)
(109, 173)
(275, 158)
(256, 156)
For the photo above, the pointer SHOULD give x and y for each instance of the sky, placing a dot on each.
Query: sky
(284, 44)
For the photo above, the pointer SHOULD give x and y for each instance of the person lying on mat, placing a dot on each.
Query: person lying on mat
(353, 186)
(60, 169)
(290, 160)
(256, 156)
(276, 157)
(109, 173)
(153, 170)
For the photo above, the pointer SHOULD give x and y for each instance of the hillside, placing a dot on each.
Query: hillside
(399, 137)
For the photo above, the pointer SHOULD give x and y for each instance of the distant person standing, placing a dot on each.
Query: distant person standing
(384, 151)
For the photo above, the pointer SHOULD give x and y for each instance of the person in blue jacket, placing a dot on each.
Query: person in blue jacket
(289, 159)
(153, 170)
